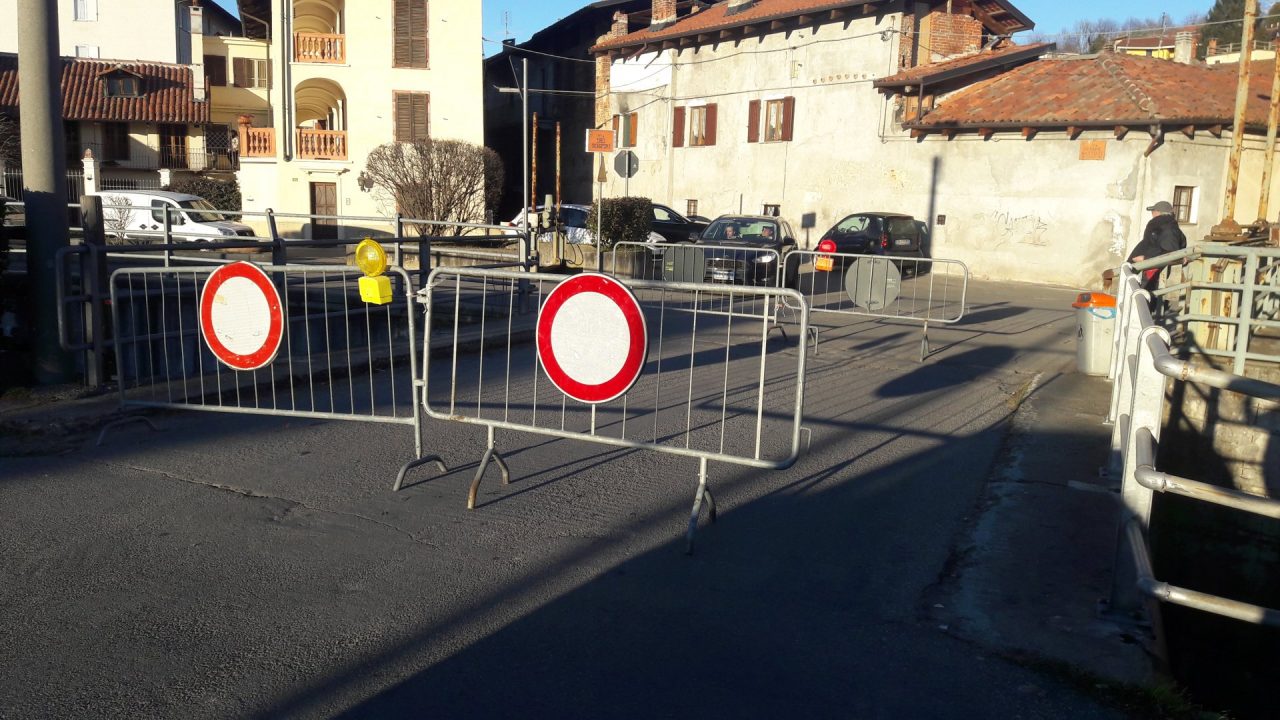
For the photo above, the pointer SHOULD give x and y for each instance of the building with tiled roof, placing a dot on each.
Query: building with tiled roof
(1026, 164)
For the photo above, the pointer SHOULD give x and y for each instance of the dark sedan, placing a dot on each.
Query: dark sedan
(874, 233)
(674, 227)
(747, 250)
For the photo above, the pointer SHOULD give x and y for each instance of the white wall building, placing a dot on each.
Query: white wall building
(1026, 167)
(153, 30)
(342, 78)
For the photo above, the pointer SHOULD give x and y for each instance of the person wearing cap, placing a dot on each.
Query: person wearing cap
(1162, 235)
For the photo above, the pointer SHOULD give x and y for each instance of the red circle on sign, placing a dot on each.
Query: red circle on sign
(637, 349)
(262, 354)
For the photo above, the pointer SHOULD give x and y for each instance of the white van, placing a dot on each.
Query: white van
(139, 214)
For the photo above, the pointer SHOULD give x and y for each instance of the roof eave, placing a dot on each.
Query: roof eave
(989, 64)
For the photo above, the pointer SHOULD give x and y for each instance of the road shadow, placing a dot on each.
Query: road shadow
(948, 372)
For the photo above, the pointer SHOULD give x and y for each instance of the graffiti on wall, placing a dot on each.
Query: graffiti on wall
(1022, 229)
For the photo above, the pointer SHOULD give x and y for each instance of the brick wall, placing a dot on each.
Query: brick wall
(907, 43)
(604, 68)
(664, 12)
(951, 34)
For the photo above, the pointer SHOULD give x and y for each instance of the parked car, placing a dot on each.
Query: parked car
(674, 227)
(667, 225)
(139, 214)
(874, 233)
(574, 218)
(747, 250)
(15, 222)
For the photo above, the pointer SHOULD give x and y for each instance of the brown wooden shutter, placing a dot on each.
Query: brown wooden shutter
(410, 47)
(403, 117)
(753, 121)
(633, 129)
(616, 137)
(421, 117)
(677, 128)
(711, 125)
(215, 67)
(240, 72)
(788, 117)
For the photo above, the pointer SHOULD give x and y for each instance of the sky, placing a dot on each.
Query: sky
(1050, 16)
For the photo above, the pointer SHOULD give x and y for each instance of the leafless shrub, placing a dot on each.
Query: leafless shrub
(442, 180)
(115, 220)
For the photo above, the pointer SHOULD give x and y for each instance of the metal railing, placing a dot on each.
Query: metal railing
(1141, 367)
(83, 267)
(712, 387)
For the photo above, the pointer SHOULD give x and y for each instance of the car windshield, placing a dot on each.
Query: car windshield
(193, 208)
(902, 226)
(574, 217)
(747, 231)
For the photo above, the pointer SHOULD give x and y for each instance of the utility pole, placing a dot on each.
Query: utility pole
(44, 179)
(1238, 125)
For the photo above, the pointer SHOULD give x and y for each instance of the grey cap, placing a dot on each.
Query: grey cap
(1162, 207)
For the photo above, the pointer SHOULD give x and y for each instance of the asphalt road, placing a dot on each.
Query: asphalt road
(235, 566)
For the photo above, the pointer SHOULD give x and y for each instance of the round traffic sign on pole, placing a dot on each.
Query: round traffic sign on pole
(241, 316)
(592, 338)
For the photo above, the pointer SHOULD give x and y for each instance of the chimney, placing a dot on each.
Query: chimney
(1213, 47)
(620, 26)
(198, 92)
(737, 6)
(664, 14)
(1184, 48)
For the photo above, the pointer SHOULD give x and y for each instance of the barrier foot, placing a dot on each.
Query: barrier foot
(703, 492)
(404, 469)
(124, 421)
(924, 344)
(491, 454)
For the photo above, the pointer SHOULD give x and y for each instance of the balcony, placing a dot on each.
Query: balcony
(312, 47)
(257, 142)
(322, 144)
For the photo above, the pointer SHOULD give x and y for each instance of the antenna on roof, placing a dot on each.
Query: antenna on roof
(506, 23)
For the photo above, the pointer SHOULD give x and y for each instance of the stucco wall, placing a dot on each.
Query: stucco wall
(1015, 209)
(124, 30)
(368, 81)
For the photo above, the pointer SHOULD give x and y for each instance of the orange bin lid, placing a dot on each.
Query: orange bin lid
(1094, 300)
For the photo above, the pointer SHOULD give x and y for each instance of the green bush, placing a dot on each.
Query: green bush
(624, 220)
(223, 194)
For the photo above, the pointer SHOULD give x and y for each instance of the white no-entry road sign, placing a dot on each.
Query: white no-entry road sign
(592, 339)
(241, 316)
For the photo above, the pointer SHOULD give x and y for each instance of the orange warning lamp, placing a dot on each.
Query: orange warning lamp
(375, 286)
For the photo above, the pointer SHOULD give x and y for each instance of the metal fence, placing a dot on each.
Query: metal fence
(877, 286)
(694, 263)
(339, 358)
(11, 183)
(716, 385)
(1142, 366)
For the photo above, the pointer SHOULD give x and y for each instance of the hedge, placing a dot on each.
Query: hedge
(626, 219)
(223, 194)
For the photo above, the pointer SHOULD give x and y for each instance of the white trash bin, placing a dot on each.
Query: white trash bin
(1095, 332)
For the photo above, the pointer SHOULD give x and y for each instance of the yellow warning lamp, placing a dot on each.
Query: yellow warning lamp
(375, 287)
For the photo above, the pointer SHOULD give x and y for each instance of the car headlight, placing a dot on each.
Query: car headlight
(765, 258)
(225, 232)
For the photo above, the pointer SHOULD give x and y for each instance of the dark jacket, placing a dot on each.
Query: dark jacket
(1161, 236)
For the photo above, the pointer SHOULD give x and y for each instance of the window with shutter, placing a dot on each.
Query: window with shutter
(412, 116)
(677, 127)
(411, 22)
(774, 110)
(788, 118)
(753, 121)
(633, 129)
(709, 124)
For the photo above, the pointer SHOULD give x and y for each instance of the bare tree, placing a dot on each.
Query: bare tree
(10, 137)
(116, 219)
(443, 180)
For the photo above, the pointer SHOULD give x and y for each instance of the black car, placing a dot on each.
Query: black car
(747, 250)
(874, 233)
(674, 227)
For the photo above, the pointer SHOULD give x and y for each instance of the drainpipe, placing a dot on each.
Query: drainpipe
(1242, 104)
(286, 92)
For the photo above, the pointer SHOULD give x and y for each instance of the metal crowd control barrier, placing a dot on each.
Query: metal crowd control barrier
(715, 386)
(1141, 367)
(338, 359)
(876, 286)
(694, 263)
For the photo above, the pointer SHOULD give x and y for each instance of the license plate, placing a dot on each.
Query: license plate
(824, 264)
(902, 241)
(721, 274)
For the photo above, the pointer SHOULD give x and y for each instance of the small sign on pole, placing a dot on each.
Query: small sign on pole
(599, 141)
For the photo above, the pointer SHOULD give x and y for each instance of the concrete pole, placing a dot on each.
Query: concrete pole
(44, 178)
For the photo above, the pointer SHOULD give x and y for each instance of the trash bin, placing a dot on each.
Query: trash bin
(1095, 329)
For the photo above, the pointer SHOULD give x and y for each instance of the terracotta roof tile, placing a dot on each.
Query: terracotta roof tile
(1104, 89)
(166, 92)
(717, 18)
(962, 65)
